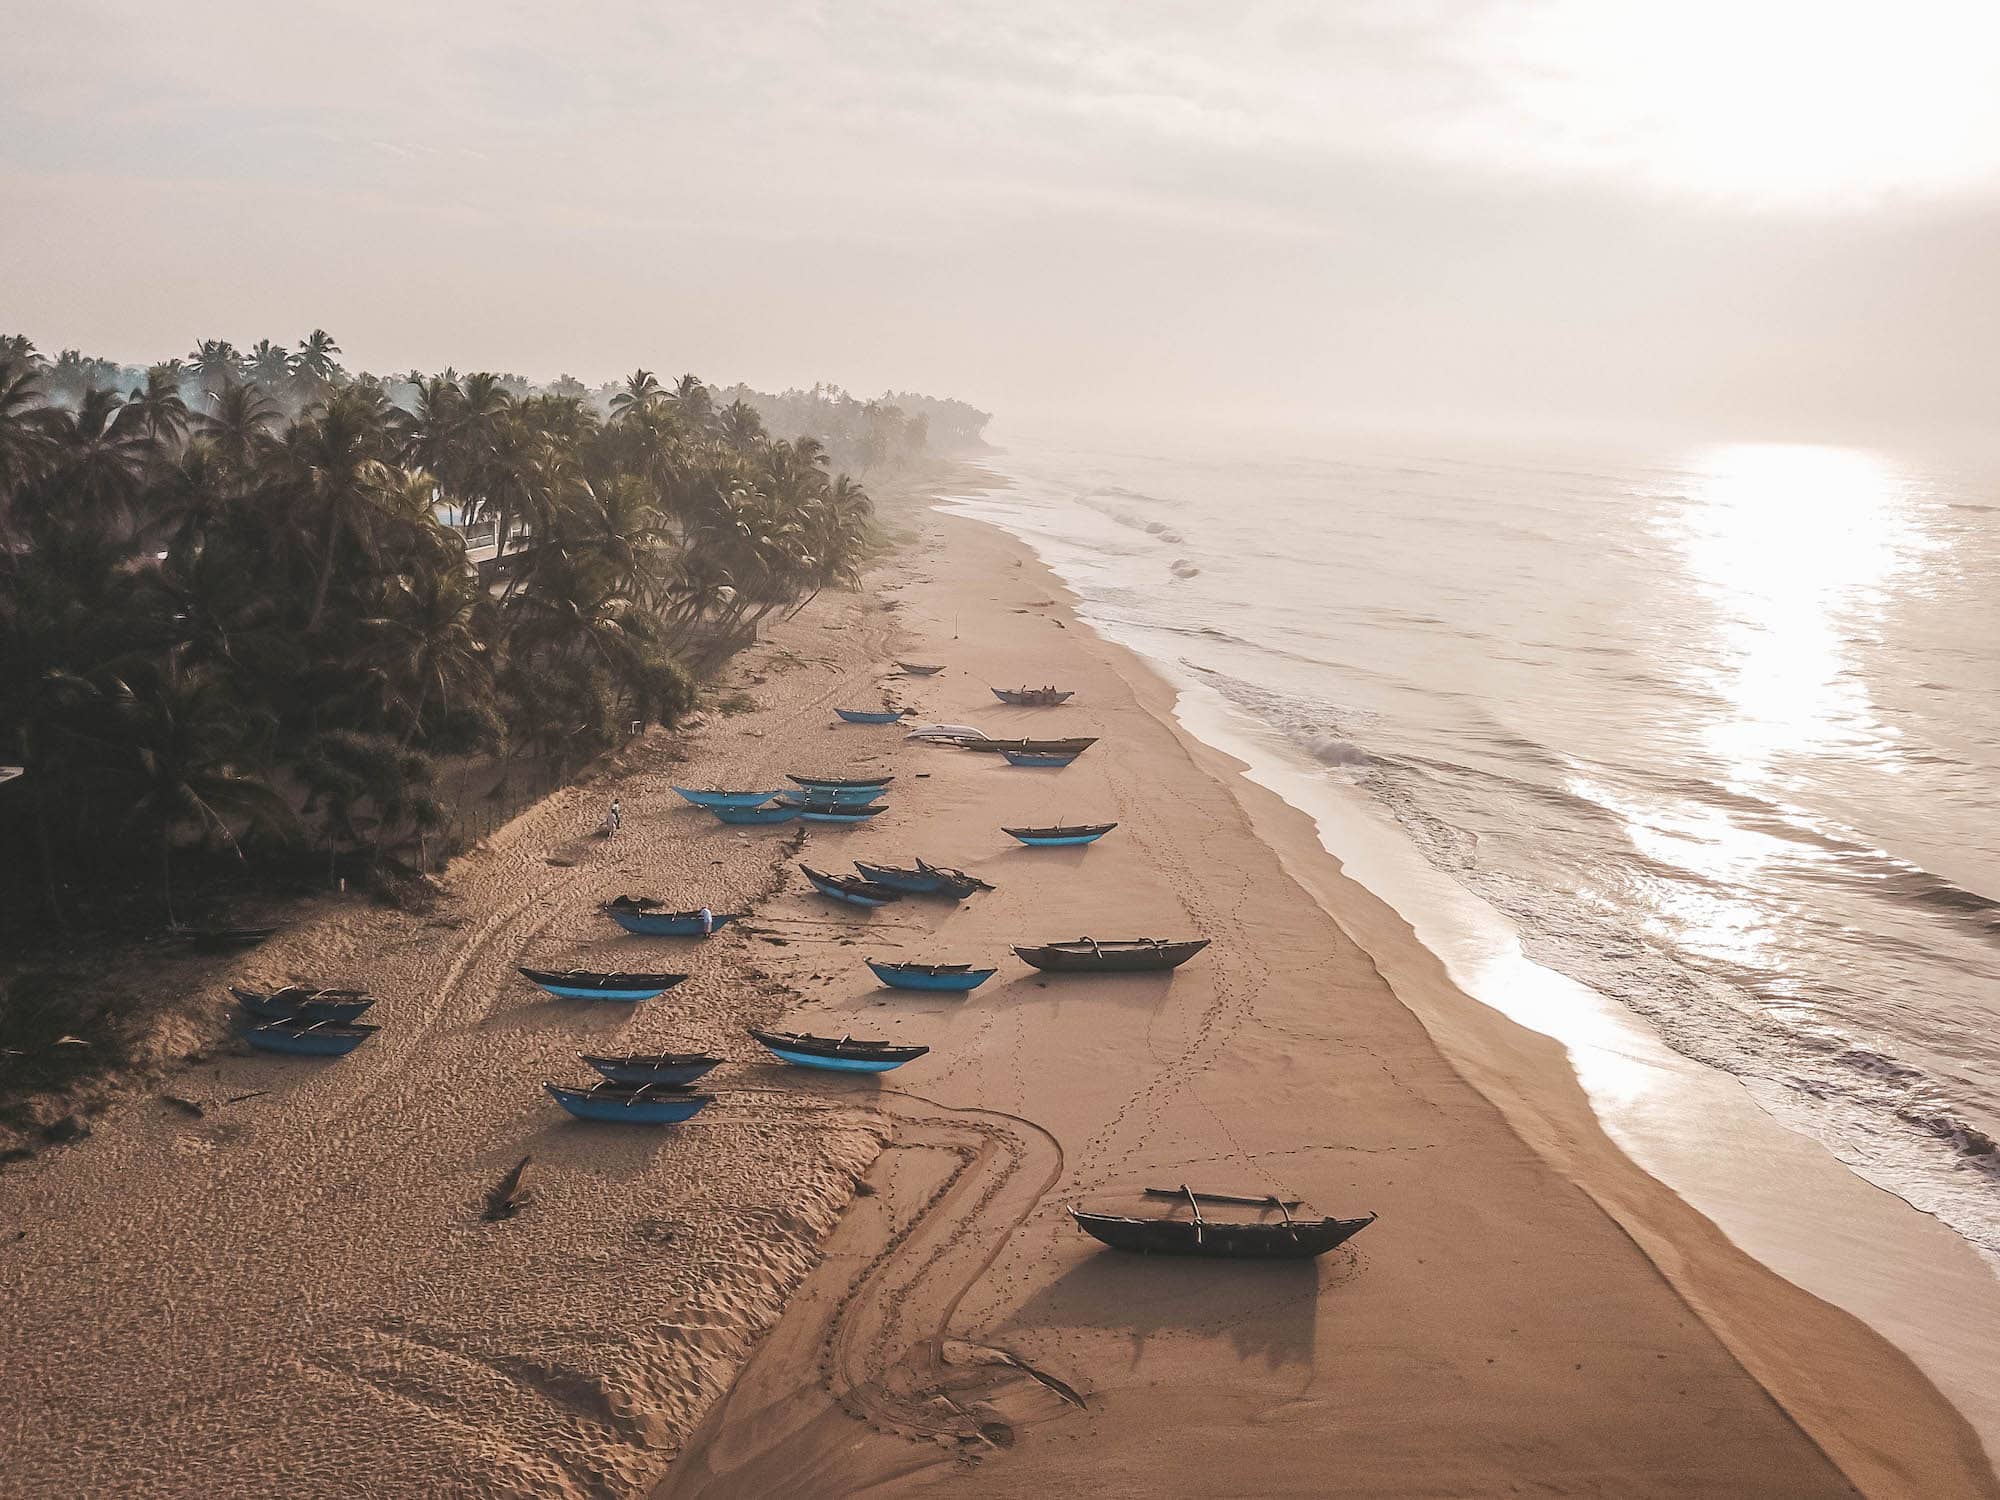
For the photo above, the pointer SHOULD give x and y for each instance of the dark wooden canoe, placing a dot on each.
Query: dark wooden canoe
(1031, 747)
(1088, 956)
(1273, 1234)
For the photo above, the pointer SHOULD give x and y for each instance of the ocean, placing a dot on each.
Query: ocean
(1716, 731)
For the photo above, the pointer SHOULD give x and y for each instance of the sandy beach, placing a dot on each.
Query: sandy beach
(828, 1287)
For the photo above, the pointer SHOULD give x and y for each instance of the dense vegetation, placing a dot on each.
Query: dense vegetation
(233, 613)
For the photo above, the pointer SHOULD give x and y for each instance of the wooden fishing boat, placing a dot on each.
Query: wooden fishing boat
(223, 939)
(851, 888)
(1127, 956)
(949, 978)
(917, 670)
(1027, 697)
(630, 1103)
(723, 799)
(662, 1069)
(645, 921)
(846, 796)
(298, 1001)
(923, 880)
(756, 816)
(1060, 835)
(948, 734)
(1074, 746)
(872, 716)
(819, 785)
(1038, 762)
(1272, 1234)
(303, 1038)
(588, 984)
(838, 1054)
(819, 810)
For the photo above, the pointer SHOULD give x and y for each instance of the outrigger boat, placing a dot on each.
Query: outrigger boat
(1027, 697)
(828, 785)
(949, 978)
(948, 734)
(837, 1054)
(851, 888)
(643, 916)
(826, 810)
(713, 800)
(1088, 956)
(924, 880)
(303, 1038)
(662, 1069)
(1030, 747)
(1036, 761)
(630, 1103)
(756, 816)
(916, 670)
(846, 796)
(872, 716)
(304, 1002)
(1060, 835)
(1240, 1238)
(588, 984)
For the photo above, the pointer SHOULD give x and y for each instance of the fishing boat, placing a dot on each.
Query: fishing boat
(1037, 762)
(630, 1103)
(820, 785)
(663, 1069)
(298, 1001)
(923, 880)
(645, 920)
(847, 796)
(1074, 746)
(827, 810)
(949, 734)
(1233, 1237)
(950, 978)
(756, 816)
(1027, 697)
(723, 799)
(1060, 835)
(839, 1054)
(1088, 956)
(303, 1038)
(872, 716)
(915, 669)
(588, 984)
(851, 888)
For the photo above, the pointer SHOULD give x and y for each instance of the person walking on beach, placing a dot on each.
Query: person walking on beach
(613, 819)
(707, 922)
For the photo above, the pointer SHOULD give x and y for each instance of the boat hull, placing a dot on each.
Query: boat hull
(1219, 1240)
(671, 1073)
(835, 812)
(1030, 747)
(628, 994)
(276, 1008)
(668, 924)
(919, 671)
(835, 1064)
(1033, 699)
(859, 716)
(1038, 762)
(879, 896)
(829, 786)
(1111, 959)
(723, 799)
(616, 1108)
(899, 977)
(295, 1042)
(1038, 839)
(755, 816)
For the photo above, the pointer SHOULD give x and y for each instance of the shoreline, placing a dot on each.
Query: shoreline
(820, 1286)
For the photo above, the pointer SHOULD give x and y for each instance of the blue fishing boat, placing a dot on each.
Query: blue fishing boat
(821, 786)
(587, 984)
(872, 716)
(851, 888)
(923, 880)
(662, 1069)
(1027, 697)
(838, 1054)
(950, 978)
(302, 1038)
(299, 1001)
(756, 816)
(630, 1103)
(645, 920)
(1036, 761)
(846, 796)
(724, 799)
(1059, 835)
(813, 810)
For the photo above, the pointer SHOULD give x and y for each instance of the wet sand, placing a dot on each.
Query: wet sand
(296, 1290)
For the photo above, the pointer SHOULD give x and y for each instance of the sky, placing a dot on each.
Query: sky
(1762, 218)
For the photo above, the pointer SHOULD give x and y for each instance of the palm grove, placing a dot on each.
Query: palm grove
(232, 611)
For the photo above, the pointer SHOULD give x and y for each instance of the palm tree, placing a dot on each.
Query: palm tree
(238, 424)
(315, 366)
(692, 400)
(97, 469)
(215, 362)
(339, 475)
(739, 426)
(641, 395)
(158, 409)
(27, 430)
(268, 365)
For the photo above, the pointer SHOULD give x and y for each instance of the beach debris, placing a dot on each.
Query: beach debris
(185, 1106)
(239, 1098)
(510, 1194)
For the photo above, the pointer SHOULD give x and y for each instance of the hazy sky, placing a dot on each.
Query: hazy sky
(1743, 216)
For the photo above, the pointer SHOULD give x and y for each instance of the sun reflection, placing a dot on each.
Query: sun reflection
(1792, 547)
